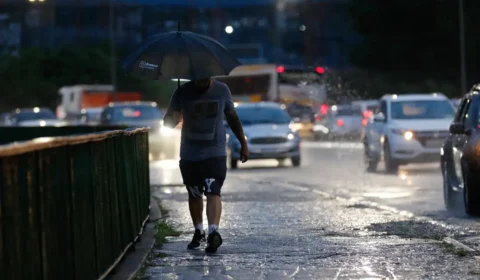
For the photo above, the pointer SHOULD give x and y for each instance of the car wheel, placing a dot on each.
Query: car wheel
(471, 195)
(296, 161)
(391, 165)
(450, 197)
(370, 164)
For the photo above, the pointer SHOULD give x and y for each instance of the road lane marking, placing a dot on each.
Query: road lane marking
(333, 145)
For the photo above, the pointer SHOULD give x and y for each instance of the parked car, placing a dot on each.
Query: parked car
(33, 117)
(408, 128)
(269, 132)
(163, 141)
(460, 157)
(341, 121)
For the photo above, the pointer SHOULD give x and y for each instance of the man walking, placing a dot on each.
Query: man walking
(203, 104)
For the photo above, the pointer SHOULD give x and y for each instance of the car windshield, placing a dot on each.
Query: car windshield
(299, 77)
(345, 111)
(255, 115)
(422, 109)
(298, 110)
(31, 116)
(136, 113)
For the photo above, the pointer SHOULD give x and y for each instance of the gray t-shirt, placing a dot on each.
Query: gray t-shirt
(203, 132)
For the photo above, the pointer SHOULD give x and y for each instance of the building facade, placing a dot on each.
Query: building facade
(281, 31)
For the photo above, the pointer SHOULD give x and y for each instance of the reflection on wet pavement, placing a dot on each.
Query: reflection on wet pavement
(277, 225)
(269, 233)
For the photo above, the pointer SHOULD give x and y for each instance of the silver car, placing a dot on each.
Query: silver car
(341, 122)
(269, 132)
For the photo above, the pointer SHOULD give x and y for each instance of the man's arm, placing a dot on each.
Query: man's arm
(172, 118)
(235, 125)
(174, 112)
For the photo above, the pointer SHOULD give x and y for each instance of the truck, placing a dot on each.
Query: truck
(76, 99)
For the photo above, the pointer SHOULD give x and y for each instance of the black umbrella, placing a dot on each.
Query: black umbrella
(180, 55)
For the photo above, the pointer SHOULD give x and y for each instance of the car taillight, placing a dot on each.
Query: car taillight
(324, 109)
(367, 114)
(364, 121)
(340, 122)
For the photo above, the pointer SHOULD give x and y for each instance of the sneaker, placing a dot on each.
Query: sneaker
(198, 238)
(214, 241)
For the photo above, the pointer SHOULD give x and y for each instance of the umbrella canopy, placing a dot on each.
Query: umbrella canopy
(180, 55)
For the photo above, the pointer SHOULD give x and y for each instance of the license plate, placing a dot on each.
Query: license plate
(269, 150)
(436, 143)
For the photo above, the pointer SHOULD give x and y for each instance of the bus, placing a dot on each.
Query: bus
(279, 83)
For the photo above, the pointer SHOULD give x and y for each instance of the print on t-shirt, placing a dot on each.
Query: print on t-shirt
(203, 120)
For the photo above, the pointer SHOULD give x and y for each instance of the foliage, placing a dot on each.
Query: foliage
(415, 46)
(34, 76)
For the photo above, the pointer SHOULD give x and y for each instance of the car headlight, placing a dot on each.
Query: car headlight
(407, 134)
(291, 136)
(166, 131)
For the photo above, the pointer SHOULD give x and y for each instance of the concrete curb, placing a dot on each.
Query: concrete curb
(133, 262)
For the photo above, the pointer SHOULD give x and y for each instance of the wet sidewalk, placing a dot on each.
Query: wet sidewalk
(277, 231)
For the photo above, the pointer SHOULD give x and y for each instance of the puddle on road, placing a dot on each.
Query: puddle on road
(411, 229)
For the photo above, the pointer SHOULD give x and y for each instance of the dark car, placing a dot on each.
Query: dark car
(31, 117)
(162, 140)
(460, 157)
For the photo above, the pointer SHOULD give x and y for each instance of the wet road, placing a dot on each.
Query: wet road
(327, 219)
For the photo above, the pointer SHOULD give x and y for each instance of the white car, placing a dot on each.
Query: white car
(408, 128)
(269, 132)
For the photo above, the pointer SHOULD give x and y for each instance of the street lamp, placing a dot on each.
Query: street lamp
(463, 63)
(229, 29)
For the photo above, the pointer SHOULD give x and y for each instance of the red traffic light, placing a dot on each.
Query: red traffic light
(280, 69)
(320, 70)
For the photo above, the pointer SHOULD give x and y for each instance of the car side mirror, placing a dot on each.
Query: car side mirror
(379, 117)
(457, 128)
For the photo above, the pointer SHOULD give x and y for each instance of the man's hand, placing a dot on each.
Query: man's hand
(244, 153)
(237, 129)
(172, 118)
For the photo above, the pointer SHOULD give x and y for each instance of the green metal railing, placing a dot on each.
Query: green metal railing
(71, 207)
(12, 134)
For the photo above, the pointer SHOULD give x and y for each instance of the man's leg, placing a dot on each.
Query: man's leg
(217, 170)
(214, 211)
(195, 204)
(195, 201)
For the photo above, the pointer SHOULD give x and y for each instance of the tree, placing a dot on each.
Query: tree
(414, 45)
(34, 77)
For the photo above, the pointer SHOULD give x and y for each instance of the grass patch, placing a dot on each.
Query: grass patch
(410, 229)
(455, 250)
(164, 230)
